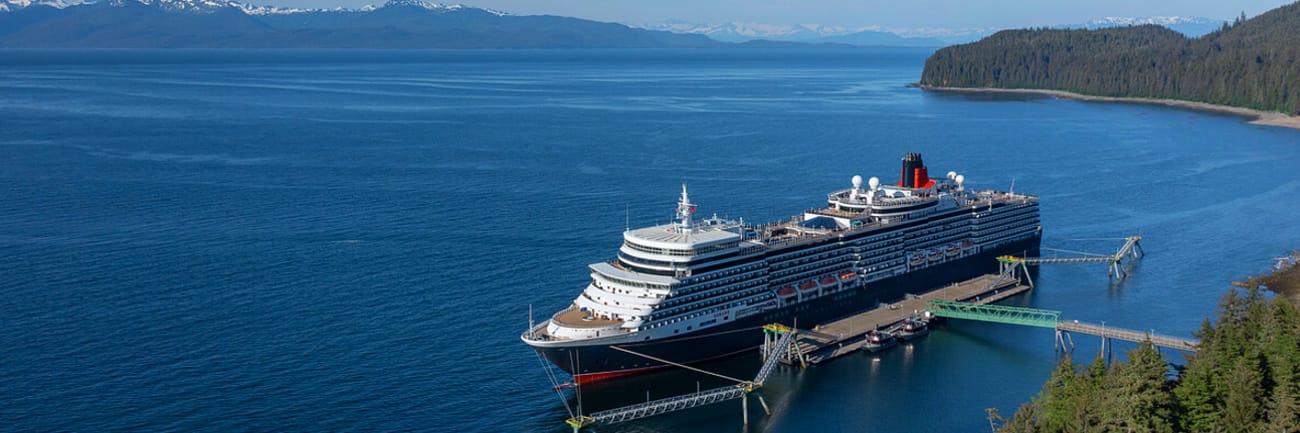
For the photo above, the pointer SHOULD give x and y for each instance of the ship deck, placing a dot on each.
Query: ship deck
(790, 231)
(574, 318)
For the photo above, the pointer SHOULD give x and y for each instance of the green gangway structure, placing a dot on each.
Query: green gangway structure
(1052, 319)
(995, 313)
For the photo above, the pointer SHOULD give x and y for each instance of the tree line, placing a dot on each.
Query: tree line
(1251, 63)
(1245, 377)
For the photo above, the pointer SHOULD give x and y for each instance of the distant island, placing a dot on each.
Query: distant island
(1253, 65)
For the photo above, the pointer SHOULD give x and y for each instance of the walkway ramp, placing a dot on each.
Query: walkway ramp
(662, 406)
(774, 352)
(994, 313)
(1132, 250)
(1051, 319)
(1184, 344)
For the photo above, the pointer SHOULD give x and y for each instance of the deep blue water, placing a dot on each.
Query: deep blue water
(327, 241)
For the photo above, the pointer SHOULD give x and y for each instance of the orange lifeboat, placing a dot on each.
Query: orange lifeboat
(808, 285)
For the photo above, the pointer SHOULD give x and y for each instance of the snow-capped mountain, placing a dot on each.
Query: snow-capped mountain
(7, 5)
(1190, 26)
(398, 24)
(853, 35)
(740, 32)
(878, 35)
(436, 7)
(1137, 21)
(209, 6)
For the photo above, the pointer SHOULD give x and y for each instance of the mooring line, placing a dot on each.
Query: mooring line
(665, 361)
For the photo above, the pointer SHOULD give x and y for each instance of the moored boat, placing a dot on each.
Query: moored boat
(877, 340)
(913, 327)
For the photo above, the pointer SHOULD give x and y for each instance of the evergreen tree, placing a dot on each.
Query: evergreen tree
(1024, 421)
(1142, 391)
(1056, 399)
(1241, 407)
(1283, 411)
(1245, 377)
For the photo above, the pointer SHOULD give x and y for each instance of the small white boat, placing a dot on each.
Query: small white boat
(913, 328)
(878, 340)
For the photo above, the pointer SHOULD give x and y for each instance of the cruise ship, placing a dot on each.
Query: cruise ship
(698, 289)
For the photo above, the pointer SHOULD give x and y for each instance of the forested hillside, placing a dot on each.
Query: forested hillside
(1245, 378)
(1251, 63)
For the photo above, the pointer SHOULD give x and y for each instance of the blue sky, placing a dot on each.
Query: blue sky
(904, 13)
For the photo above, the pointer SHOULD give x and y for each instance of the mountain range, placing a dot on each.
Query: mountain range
(807, 33)
(419, 24)
(903, 36)
(1189, 26)
(231, 24)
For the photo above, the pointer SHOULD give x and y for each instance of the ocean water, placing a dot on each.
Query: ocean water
(350, 241)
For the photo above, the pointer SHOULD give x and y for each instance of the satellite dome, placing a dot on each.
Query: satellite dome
(960, 179)
(857, 182)
(874, 182)
(952, 175)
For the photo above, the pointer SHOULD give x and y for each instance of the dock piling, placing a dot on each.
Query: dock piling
(744, 410)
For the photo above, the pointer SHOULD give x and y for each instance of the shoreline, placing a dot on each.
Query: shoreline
(1258, 117)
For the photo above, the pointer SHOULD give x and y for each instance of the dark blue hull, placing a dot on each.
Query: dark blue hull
(595, 362)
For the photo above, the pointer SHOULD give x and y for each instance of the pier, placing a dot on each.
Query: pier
(843, 336)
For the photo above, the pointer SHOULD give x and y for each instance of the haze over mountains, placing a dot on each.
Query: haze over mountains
(419, 24)
(231, 24)
(902, 36)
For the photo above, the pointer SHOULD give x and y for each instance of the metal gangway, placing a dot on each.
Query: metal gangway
(1052, 319)
(1131, 250)
(1113, 333)
(778, 342)
(994, 313)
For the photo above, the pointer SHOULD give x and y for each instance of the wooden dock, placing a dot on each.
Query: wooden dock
(842, 336)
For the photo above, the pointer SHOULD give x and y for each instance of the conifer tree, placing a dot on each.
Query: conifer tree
(1024, 420)
(1241, 407)
(1245, 377)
